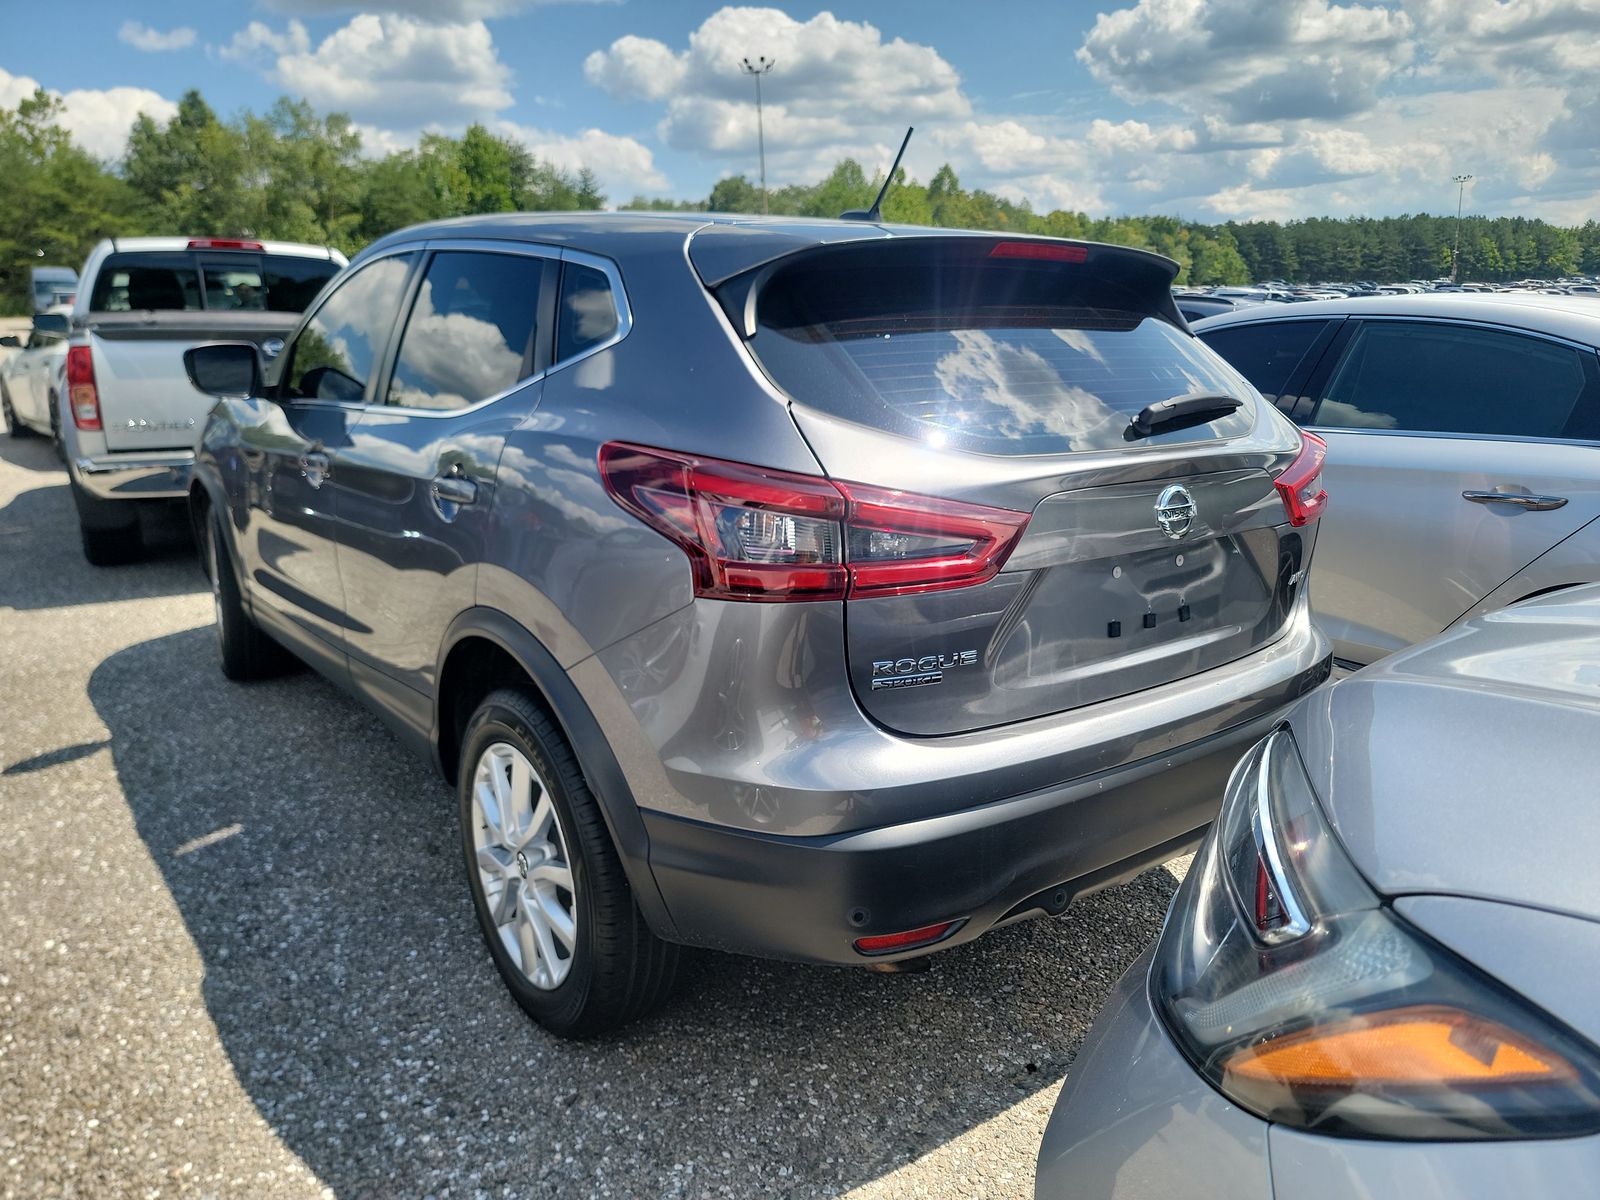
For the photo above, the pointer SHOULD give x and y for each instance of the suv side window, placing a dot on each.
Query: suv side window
(1430, 377)
(333, 357)
(471, 332)
(1265, 352)
(588, 310)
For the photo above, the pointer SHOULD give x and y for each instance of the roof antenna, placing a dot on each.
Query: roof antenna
(875, 213)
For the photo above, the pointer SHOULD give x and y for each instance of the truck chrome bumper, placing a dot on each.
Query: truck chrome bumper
(154, 476)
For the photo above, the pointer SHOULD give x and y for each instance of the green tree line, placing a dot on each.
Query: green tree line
(298, 176)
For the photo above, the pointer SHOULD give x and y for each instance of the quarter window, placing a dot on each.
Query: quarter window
(470, 335)
(333, 356)
(1429, 377)
(1265, 352)
(588, 310)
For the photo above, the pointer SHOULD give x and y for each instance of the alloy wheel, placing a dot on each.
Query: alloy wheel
(523, 865)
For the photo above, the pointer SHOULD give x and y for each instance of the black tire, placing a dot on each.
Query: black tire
(13, 426)
(55, 427)
(619, 969)
(109, 529)
(245, 652)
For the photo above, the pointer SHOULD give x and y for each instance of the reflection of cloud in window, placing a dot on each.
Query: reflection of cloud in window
(1080, 341)
(1347, 416)
(448, 360)
(597, 316)
(1018, 381)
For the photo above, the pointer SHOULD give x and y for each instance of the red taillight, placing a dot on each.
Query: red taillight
(1050, 251)
(81, 393)
(911, 938)
(757, 534)
(1300, 483)
(223, 244)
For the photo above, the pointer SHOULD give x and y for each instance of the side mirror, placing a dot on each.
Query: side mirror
(58, 323)
(224, 368)
(12, 341)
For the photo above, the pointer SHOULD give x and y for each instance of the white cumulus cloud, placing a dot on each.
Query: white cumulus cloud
(97, 118)
(143, 37)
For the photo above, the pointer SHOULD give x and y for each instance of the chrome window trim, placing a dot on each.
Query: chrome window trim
(619, 302)
(606, 266)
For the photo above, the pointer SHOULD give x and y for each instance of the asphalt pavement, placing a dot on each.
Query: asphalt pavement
(237, 958)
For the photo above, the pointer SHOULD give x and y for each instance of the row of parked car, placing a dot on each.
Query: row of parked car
(1198, 303)
(839, 592)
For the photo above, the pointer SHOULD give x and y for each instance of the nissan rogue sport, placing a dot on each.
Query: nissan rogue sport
(821, 590)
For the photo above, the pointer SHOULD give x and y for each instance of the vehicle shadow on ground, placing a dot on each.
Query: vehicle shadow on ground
(44, 566)
(315, 864)
(31, 452)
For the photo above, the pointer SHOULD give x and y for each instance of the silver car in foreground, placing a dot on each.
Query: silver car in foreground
(1378, 977)
(1463, 438)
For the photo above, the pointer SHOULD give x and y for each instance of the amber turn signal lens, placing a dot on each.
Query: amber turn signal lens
(1420, 1047)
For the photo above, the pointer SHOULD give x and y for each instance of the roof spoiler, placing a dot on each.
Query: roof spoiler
(1119, 277)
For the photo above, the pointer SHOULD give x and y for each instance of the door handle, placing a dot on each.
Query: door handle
(1522, 500)
(454, 489)
(314, 466)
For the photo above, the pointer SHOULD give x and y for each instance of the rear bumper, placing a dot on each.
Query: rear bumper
(810, 898)
(146, 476)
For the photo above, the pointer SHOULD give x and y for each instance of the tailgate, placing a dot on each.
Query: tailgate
(1096, 602)
(146, 399)
(1042, 378)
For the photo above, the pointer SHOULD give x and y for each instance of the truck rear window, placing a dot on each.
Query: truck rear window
(181, 281)
(1007, 357)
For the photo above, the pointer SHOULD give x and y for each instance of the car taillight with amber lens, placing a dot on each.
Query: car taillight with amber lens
(1306, 1000)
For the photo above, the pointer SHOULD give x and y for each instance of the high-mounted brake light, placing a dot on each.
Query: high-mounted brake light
(223, 244)
(81, 392)
(1300, 483)
(758, 534)
(1040, 250)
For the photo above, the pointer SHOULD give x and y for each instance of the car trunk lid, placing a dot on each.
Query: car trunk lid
(934, 367)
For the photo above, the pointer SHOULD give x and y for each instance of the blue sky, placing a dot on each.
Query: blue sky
(1209, 109)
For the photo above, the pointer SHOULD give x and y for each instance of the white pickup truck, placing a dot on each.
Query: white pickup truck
(131, 420)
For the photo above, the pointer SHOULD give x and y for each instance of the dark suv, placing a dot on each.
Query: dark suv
(820, 590)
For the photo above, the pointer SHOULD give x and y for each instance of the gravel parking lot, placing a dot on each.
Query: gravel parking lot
(237, 958)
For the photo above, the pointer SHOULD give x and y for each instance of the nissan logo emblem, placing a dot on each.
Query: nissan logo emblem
(1175, 511)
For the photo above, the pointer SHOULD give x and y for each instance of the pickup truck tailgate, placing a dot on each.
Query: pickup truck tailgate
(146, 399)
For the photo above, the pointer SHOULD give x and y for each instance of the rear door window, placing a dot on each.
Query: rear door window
(1265, 352)
(1433, 377)
(332, 358)
(471, 332)
(997, 356)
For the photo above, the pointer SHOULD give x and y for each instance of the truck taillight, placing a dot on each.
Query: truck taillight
(81, 392)
(1300, 483)
(758, 534)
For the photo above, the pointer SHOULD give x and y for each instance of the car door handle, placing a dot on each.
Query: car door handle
(454, 489)
(1521, 500)
(314, 466)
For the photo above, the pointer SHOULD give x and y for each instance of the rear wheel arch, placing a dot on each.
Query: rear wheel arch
(485, 650)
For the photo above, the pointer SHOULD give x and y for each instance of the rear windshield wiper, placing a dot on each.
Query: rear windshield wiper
(1180, 411)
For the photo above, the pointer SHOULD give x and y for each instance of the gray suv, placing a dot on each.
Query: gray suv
(819, 590)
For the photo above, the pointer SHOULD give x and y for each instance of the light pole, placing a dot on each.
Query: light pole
(759, 68)
(1461, 182)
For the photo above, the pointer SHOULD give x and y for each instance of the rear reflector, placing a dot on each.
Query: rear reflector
(1051, 251)
(1300, 483)
(756, 534)
(910, 939)
(223, 244)
(81, 392)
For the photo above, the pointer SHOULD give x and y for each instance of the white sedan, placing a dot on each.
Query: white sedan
(29, 379)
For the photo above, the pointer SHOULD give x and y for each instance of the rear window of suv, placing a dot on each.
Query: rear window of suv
(187, 281)
(995, 356)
